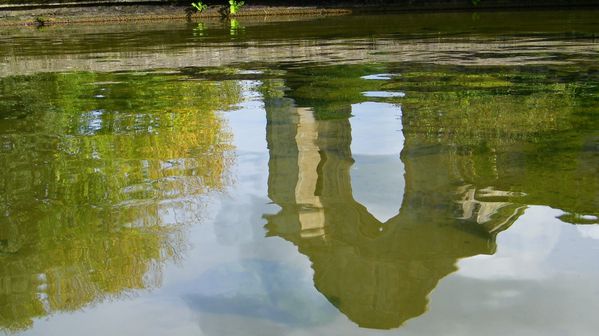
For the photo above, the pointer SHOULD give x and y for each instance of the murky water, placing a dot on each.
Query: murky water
(414, 174)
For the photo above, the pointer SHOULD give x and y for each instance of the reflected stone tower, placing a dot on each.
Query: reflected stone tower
(378, 274)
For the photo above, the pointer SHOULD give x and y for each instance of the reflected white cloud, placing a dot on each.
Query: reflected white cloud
(588, 231)
(376, 129)
(522, 250)
(537, 283)
(382, 76)
(383, 94)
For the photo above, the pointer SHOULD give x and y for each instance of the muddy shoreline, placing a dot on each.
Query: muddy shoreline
(113, 12)
(130, 13)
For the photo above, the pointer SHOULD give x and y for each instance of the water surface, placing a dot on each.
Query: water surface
(415, 174)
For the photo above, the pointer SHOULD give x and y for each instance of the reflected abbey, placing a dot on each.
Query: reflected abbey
(462, 186)
(377, 273)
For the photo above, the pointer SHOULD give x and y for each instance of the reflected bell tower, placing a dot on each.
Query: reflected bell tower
(376, 269)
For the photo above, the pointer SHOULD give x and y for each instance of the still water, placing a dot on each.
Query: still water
(408, 174)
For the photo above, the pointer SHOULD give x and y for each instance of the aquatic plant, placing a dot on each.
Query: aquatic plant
(199, 6)
(235, 6)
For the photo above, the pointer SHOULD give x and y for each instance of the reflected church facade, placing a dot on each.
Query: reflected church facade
(378, 273)
(471, 161)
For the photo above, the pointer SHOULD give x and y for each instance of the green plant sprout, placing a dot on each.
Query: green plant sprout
(235, 6)
(199, 6)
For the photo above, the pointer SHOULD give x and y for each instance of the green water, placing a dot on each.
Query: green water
(415, 174)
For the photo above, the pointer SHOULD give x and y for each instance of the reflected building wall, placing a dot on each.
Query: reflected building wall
(474, 159)
(378, 274)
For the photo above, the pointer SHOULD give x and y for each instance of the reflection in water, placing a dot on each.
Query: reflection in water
(379, 273)
(260, 289)
(104, 172)
(100, 174)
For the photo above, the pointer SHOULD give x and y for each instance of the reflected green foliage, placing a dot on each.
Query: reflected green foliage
(272, 89)
(100, 175)
(534, 130)
(458, 106)
(331, 90)
(235, 27)
(199, 29)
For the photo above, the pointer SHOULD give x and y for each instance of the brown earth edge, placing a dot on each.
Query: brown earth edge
(127, 11)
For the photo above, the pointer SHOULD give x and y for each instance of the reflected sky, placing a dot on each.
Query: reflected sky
(377, 140)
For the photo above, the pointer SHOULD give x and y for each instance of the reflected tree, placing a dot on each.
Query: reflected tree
(101, 173)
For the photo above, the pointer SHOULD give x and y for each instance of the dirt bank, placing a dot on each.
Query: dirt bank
(124, 13)
(107, 11)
